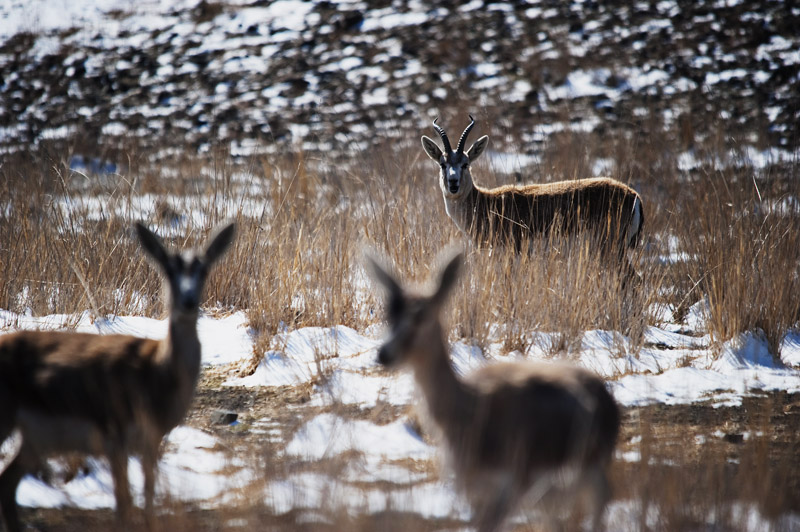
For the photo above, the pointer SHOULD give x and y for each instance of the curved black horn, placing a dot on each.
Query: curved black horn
(440, 130)
(463, 139)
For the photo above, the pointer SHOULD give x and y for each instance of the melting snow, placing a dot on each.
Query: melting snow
(673, 367)
(190, 470)
(329, 435)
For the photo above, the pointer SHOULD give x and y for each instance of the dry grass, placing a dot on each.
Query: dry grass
(745, 250)
(304, 218)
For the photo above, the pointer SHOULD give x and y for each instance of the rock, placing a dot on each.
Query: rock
(224, 417)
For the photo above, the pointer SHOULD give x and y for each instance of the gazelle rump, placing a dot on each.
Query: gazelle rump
(610, 210)
(111, 395)
(513, 431)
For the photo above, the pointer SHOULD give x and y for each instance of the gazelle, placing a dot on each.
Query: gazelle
(609, 209)
(110, 395)
(514, 431)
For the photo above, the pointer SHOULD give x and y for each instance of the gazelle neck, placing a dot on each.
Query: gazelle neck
(183, 342)
(447, 397)
(462, 210)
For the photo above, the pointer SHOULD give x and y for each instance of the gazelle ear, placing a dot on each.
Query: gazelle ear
(152, 245)
(380, 274)
(431, 148)
(220, 242)
(478, 148)
(448, 277)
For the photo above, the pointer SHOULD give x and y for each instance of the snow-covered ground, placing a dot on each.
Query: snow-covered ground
(677, 365)
(325, 74)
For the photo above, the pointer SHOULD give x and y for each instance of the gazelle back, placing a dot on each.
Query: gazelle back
(512, 431)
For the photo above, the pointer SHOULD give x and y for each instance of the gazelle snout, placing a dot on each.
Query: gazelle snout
(453, 181)
(384, 356)
(452, 176)
(188, 291)
(391, 352)
(190, 287)
(187, 285)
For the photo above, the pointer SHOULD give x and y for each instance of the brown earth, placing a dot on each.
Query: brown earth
(694, 460)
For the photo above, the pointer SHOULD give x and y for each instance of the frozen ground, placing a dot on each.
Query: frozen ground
(677, 365)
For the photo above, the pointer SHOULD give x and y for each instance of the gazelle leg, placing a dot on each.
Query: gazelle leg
(149, 464)
(6, 419)
(119, 473)
(25, 462)
(9, 480)
(490, 515)
(599, 496)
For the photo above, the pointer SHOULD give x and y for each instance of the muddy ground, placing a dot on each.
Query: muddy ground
(686, 460)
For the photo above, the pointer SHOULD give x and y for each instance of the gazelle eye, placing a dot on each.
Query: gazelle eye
(465, 166)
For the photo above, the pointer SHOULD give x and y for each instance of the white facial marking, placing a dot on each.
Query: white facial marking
(187, 283)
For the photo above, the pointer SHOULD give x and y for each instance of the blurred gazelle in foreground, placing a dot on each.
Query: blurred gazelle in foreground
(607, 209)
(110, 395)
(514, 432)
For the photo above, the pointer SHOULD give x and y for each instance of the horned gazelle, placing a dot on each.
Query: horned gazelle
(110, 395)
(509, 214)
(513, 431)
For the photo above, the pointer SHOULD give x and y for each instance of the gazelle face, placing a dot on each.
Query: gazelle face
(407, 319)
(186, 273)
(455, 179)
(455, 176)
(413, 320)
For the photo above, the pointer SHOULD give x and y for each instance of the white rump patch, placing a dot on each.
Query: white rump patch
(636, 222)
